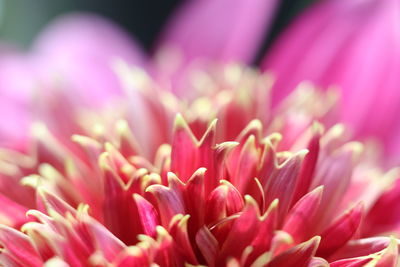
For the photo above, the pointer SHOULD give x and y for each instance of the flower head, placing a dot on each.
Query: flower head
(167, 162)
(278, 190)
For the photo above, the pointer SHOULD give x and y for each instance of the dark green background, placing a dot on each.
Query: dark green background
(20, 20)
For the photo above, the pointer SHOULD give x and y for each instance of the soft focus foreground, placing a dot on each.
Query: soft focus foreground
(153, 179)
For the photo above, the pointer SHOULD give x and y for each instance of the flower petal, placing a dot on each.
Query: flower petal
(81, 48)
(300, 220)
(354, 46)
(336, 235)
(300, 255)
(19, 248)
(219, 29)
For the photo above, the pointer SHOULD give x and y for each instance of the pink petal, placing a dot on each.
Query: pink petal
(19, 247)
(12, 214)
(300, 220)
(223, 201)
(207, 244)
(47, 201)
(147, 214)
(318, 262)
(390, 255)
(133, 257)
(281, 184)
(308, 167)
(226, 30)
(340, 232)
(109, 245)
(378, 219)
(179, 231)
(266, 232)
(353, 45)
(17, 81)
(355, 262)
(361, 247)
(184, 150)
(243, 231)
(169, 199)
(298, 256)
(194, 189)
(80, 49)
(120, 211)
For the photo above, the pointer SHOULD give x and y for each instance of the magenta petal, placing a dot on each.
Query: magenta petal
(281, 184)
(207, 244)
(378, 219)
(353, 45)
(148, 215)
(184, 150)
(301, 219)
(361, 247)
(227, 30)
(19, 246)
(169, 200)
(80, 49)
(354, 262)
(179, 231)
(340, 232)
(298, 256)
(16, 83)
(109, 245)
(244, 230)
(11, 213)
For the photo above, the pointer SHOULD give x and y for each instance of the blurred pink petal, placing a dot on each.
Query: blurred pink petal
(354, 45)
(80, 49)
(16, 87)
(227, 30)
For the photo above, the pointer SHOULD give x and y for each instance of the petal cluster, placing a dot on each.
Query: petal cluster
(218, 180)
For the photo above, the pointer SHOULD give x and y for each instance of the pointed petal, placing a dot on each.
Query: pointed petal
(207, 244)
(300, 221)
(378, 220)
(362, 247)
(224, 201)
(184, 150)
(243, 231)
(12, 214)
(262, 243)
(50, 202)
(246, 165)
(119, 208)
(298, 256)
(354, 262)
(282, 183)
(19, 247)
(108, 244)
(340, 232)
(194, 189)
(179, 231)
(318, 262)
(132, 256)
(169, 202)
(147, 214)
(308, 167)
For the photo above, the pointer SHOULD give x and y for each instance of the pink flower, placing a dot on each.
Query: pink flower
(260, 199)
(355, 46)
(191, 163)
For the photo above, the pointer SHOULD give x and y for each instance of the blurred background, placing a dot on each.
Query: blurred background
(21, 20)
